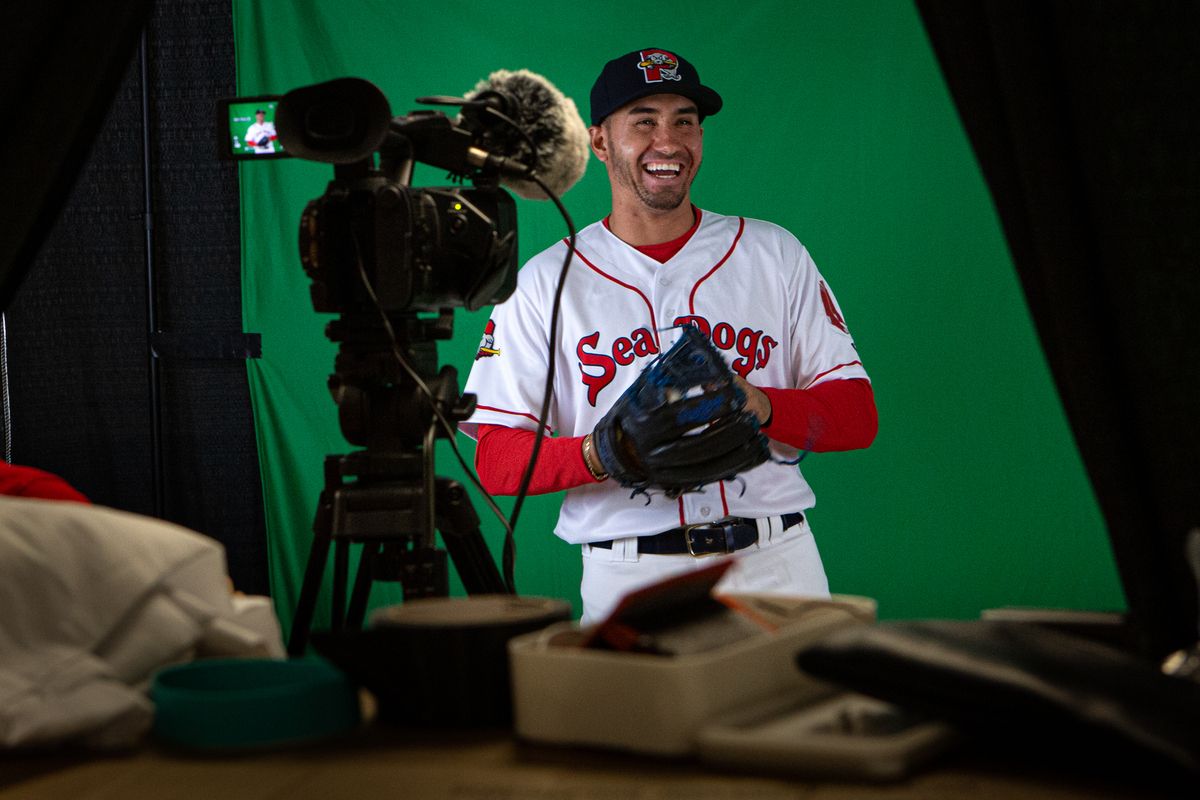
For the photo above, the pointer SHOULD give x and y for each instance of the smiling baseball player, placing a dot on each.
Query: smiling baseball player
(261, 134)
(655, 264)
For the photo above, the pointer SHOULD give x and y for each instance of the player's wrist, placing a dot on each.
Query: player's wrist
(592, 461)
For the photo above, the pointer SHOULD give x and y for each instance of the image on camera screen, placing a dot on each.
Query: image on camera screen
(251, 131)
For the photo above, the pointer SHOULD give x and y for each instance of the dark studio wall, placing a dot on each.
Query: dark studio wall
(1083, 118)
(168, 435)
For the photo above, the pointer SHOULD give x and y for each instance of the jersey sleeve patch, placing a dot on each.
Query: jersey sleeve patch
(487, 344)
(831, 310)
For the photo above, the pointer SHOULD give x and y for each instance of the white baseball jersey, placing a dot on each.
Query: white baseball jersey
(750, 285)
(256, 132)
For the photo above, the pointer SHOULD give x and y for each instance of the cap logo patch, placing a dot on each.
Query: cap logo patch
(659, 65)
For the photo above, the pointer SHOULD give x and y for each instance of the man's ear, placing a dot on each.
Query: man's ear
(599, 141)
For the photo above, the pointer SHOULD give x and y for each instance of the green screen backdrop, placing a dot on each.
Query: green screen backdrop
(837, 125)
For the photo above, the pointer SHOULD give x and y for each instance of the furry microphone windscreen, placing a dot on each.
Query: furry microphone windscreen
(553, 123)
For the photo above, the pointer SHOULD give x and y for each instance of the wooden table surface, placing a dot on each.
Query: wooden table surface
(378, 760)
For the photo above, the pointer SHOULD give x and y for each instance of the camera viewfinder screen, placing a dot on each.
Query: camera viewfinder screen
(252, 129)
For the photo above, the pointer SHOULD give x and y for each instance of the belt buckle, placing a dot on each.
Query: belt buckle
(687, 539)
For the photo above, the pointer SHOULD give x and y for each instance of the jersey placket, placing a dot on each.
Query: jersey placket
(669, 295)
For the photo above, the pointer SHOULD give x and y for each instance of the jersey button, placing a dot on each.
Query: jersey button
(704, 510)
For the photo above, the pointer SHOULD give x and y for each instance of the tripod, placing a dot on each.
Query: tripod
(387, 496)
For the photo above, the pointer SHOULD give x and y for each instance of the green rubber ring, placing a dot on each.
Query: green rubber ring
(238, 703)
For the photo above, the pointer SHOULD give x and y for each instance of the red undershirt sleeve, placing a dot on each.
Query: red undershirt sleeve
(502, 454)
(834, 415)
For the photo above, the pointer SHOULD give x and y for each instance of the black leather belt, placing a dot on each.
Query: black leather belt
(707, 538)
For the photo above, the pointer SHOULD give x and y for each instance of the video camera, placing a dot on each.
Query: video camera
(378, 251)
(423, 249)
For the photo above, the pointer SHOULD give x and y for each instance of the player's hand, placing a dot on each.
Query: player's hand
(757, 401)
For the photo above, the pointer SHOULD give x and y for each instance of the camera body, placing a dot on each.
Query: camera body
(423, 249)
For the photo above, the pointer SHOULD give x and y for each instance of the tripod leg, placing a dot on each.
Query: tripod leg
(459, 524)
(302, 621)
(341, 557)
(362, 585)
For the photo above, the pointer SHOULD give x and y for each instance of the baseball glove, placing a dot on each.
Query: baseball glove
(264, 141)
(681, 425)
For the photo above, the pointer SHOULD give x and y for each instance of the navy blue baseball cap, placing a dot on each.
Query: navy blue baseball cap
(646, 72)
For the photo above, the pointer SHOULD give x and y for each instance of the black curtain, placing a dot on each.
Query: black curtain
(125, 350)
(1083, 116)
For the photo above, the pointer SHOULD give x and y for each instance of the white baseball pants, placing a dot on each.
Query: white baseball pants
(783, 562)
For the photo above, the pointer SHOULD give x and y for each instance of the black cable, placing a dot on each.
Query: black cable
(533, 156)
(450, 428)
(548, 392)
(509, 548)
(153, 365)
(5, 404)
(509, 551)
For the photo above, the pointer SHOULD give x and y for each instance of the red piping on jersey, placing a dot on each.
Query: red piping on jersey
(603, 274)
(835, 369)
(724, 258)
(513, 413)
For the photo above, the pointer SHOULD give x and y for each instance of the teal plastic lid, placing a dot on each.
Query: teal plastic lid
(221, 704)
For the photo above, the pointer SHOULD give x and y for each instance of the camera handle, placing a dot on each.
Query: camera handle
(391, 506)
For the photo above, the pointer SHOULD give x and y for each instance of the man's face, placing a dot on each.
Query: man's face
(260, 116)
(652, 147)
